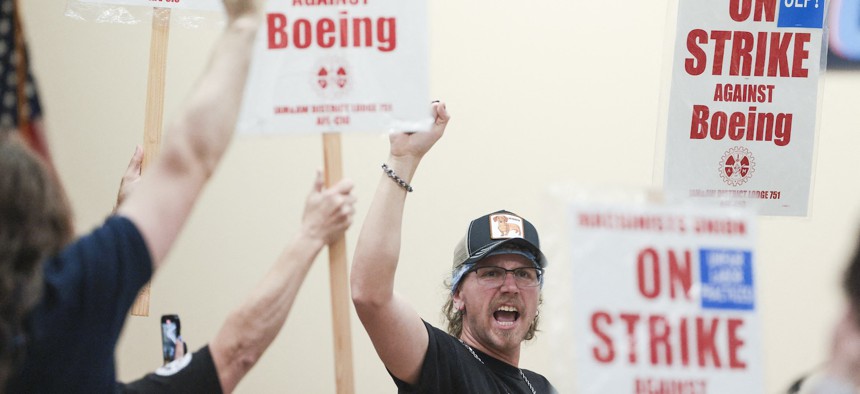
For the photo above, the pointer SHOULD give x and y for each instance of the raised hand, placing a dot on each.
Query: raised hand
(239, 8)
(328, 212)
(415, 145)
(131, 176)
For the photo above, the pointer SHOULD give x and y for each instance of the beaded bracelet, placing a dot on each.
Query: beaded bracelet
(395, 178)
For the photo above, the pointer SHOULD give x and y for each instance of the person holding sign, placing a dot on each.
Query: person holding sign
(491, 312)
(70, 300)
(245, 335)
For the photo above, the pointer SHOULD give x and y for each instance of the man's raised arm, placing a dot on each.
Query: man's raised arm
(394, 327)
(196, 139)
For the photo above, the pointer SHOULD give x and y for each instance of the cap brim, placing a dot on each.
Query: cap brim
(487, 251)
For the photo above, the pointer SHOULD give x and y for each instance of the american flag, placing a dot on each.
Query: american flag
(19, 102)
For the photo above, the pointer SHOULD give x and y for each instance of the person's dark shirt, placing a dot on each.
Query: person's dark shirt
(72, 332)
(194, 373)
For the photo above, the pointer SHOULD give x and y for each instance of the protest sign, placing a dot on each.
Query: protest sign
(743, 105)
(664, 299)
(339, 66)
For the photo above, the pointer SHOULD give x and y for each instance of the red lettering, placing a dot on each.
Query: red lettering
(739, 10)
(685, 347)
(742, 46)
(760, 50)
(646, 256)
(302, 33)
(800, 54)
(766, 8)
(608, 353)
(631, 319)
(324, 29)
(670, 386)
(344, 30)
(778, 57)
(706, 341)
(387, 33)
(699, 126)
(659, 332)
(719, 37)
(277, 36)
(734, 344)
(719, 125)
(759, 54)
(359, 25)
(696, 65)
(663, 332)
(760, 126)
(680, 273)
(736, 126)
(326, 32)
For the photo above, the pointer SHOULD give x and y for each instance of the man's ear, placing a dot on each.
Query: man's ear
(459, 302)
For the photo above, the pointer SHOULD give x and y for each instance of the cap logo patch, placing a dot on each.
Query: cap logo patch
(503, 226)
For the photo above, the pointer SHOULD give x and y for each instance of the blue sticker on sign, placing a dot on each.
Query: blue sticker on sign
(727, 280)
(801, 13)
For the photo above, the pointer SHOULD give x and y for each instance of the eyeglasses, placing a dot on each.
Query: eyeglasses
(491, 276)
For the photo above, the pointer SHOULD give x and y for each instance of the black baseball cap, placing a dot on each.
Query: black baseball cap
(500, 230)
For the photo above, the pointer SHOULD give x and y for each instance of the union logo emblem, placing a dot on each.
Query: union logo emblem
(331, 77)
(737, 166)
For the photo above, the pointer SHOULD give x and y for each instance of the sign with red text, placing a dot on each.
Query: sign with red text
(182, 4)
(664, 300)
(339, 66)
(743, 105)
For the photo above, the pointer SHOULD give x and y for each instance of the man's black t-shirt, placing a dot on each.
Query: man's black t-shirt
(194, 373)
(450, 368)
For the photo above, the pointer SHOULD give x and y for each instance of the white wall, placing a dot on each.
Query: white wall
(568, 87)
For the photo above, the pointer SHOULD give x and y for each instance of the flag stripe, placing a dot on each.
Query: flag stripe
(20, 107)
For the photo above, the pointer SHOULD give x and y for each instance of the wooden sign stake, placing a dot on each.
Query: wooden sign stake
(338, 278)
(154, 116)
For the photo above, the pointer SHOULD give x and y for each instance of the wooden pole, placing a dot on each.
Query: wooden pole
(154, 116)
(338, 280)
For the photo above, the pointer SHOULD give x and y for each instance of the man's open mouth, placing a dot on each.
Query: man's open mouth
(506, 315)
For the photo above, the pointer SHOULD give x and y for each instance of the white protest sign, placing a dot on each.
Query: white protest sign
(339, 66)
(664, 300)
(178, 4)
(743, 103)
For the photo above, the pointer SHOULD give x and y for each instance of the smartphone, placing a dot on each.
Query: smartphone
(170, 329)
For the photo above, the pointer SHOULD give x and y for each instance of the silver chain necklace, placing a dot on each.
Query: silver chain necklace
(482, 362)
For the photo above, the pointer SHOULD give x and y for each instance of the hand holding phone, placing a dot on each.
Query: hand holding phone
(170, 332)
